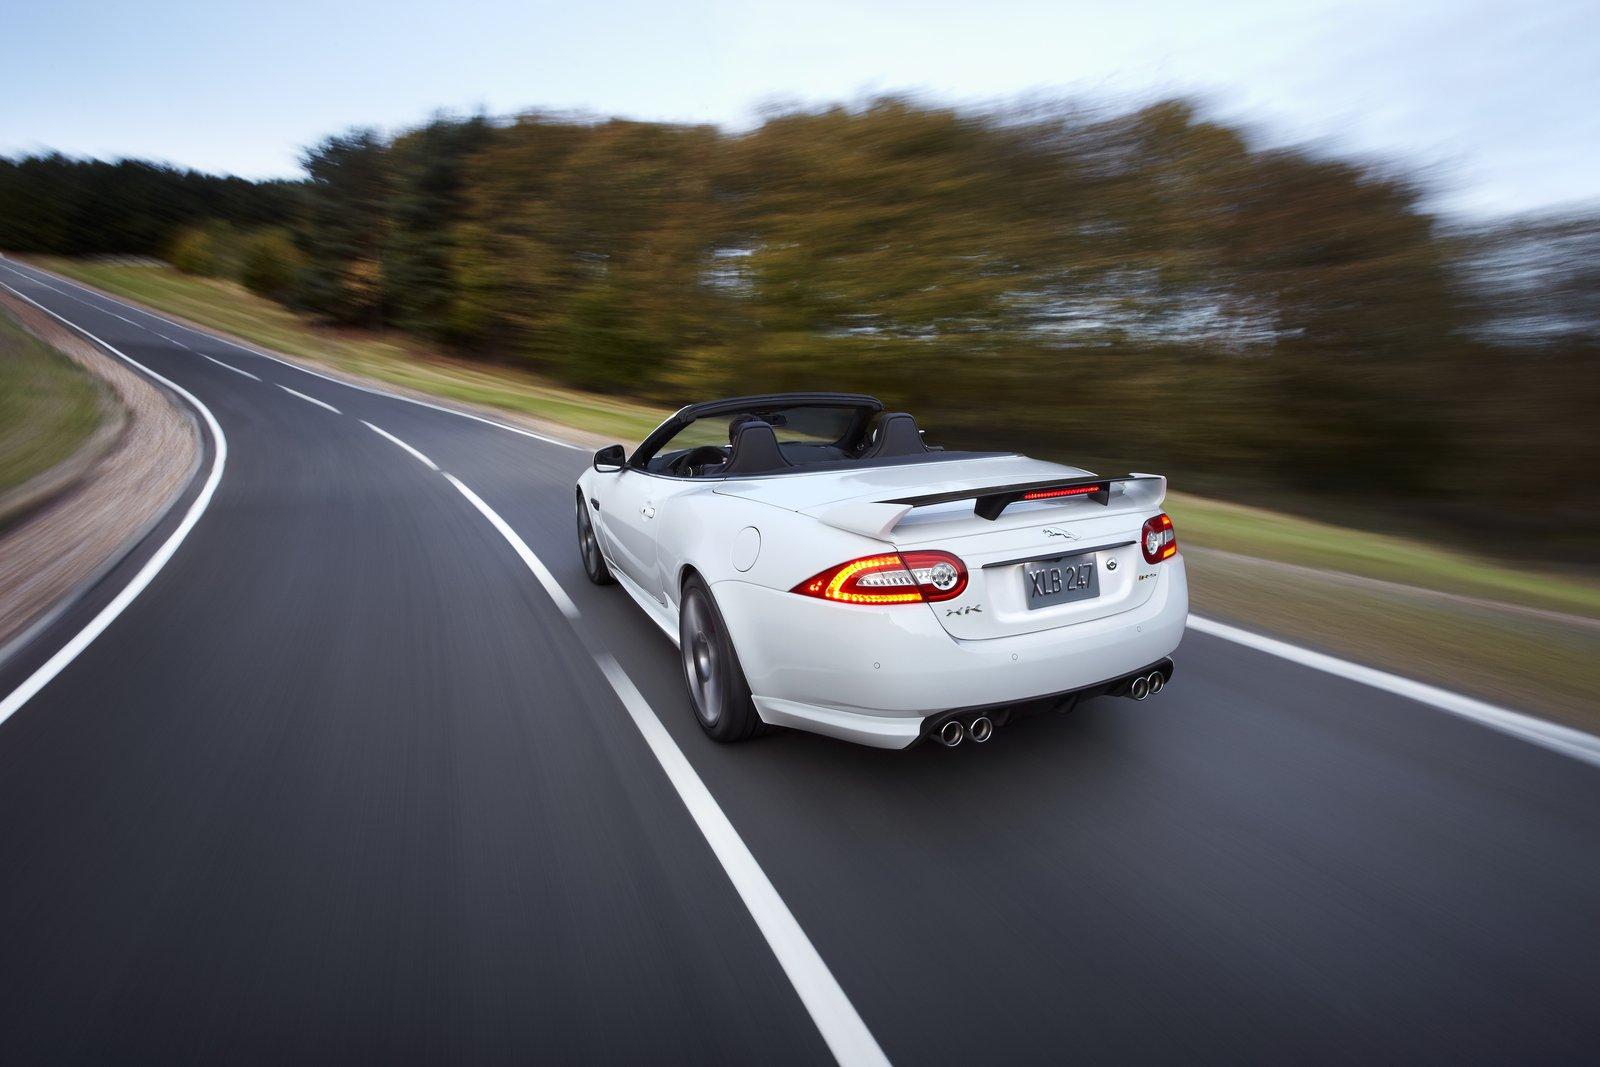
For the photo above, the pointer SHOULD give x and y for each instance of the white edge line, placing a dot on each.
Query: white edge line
(841, 1025)
(53, 666)
(310, 399)
(540, 571)
(381, 432)
(228, 366)
(836, 1018)
(292, 366)
(1562, 739)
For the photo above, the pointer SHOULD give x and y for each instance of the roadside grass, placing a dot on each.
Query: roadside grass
(1204, 522)
(386, 357)
(49, 406)
(1272, 535)
(1268, 571)
(1543, 665)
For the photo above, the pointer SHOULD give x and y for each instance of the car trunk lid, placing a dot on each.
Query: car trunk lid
(1040, 549)
(979, 509)
(1023, 556)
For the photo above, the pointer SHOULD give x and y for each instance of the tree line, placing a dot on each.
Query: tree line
(65, 206)
(1141, 288)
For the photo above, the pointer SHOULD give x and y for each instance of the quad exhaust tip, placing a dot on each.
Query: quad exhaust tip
(1147, 686)
(981, 728)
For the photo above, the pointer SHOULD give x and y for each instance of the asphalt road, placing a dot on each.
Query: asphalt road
(346, 783)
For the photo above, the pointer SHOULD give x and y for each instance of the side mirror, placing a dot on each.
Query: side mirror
(610, 459)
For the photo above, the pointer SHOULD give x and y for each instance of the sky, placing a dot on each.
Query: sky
(1496, 105)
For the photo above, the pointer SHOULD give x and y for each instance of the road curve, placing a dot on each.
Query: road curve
(368, 771)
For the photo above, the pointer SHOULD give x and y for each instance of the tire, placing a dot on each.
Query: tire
(594, 563)
(718, 691)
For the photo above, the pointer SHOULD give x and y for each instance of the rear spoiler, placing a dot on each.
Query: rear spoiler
(988, 503)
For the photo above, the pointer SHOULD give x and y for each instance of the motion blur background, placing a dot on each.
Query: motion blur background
(368, 771)
(1336, 259)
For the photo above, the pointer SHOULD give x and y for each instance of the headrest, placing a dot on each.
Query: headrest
(755, 451)
(897, 436)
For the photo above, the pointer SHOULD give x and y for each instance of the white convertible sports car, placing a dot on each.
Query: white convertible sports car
(821, 566)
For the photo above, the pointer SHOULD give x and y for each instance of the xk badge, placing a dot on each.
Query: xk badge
(968, 610)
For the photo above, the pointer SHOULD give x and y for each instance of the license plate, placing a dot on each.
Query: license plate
(1059, 581)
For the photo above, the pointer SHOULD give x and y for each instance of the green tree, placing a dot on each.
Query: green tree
(426, 207)
(344, 228)
(270, 264)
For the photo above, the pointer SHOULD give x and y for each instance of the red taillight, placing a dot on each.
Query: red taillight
(1051, 494)
(890, 578)
(1158, 540)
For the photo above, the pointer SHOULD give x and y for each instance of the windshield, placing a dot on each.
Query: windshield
(805, 432)
(812, 425)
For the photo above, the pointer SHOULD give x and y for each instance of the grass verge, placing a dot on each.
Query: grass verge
(1271, 535)
(49, 407)
(385, 357)
(1546, 665)
(1477, 624)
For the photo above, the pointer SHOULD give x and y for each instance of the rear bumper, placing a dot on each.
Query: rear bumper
(876, 676)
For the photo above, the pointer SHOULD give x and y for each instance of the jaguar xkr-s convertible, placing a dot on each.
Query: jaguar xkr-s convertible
(821, 566)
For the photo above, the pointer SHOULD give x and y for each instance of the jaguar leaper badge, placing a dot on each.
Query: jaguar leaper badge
(1051, 531)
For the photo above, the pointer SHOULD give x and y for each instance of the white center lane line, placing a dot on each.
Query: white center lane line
(276, 359)
(836, 1018)
(381, 432)
(310, 399)
(540, 571)
(229, 366)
